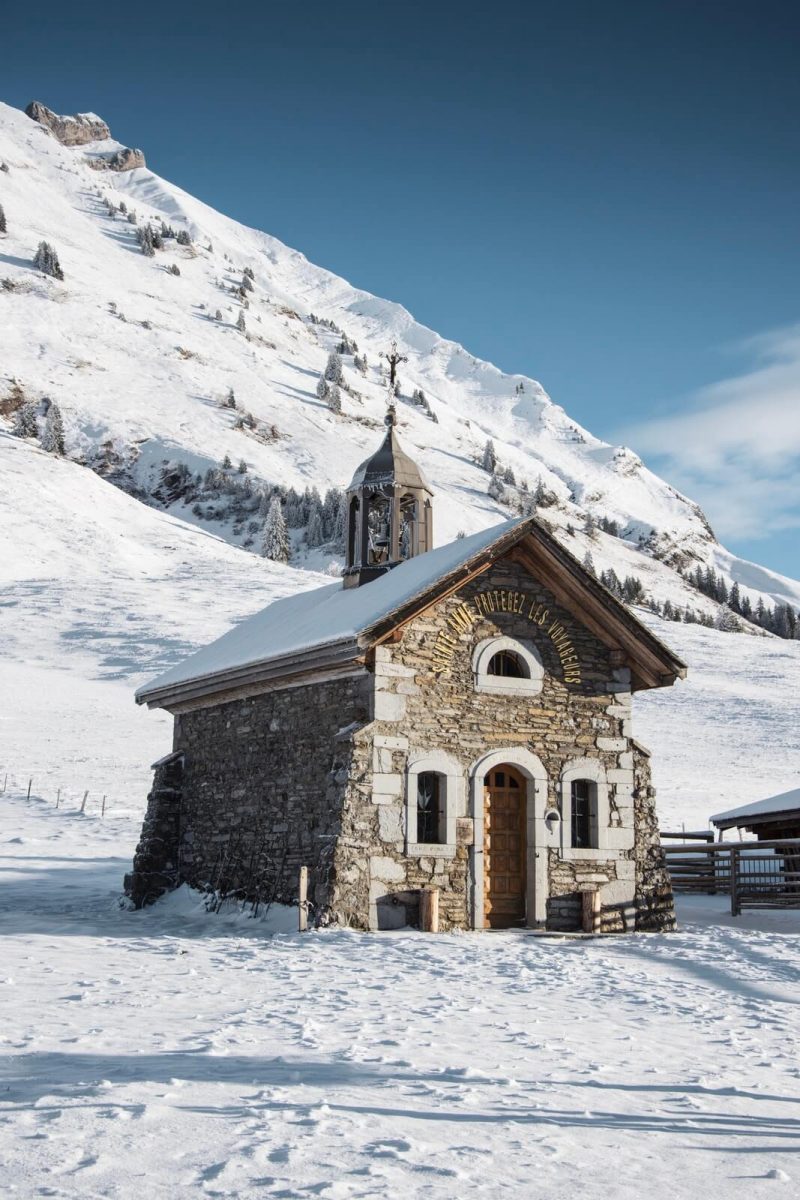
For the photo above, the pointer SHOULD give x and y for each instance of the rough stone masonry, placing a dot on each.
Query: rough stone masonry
(322, 773)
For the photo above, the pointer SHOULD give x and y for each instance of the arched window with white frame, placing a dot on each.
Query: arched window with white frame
(507, 666)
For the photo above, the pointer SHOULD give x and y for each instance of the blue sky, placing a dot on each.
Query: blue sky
(603, 196)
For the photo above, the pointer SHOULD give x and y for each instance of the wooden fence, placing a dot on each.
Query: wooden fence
(754, 874)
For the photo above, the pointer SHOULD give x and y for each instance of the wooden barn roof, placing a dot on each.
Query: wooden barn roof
(327, 631)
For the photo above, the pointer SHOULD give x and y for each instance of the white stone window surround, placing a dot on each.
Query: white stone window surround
(452, 799)
(540, 835)
(605, 841)
(506, 685)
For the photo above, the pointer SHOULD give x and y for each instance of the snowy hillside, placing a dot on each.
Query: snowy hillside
(140, 365)
(100, 591)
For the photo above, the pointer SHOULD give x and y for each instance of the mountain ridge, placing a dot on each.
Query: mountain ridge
(132, 350)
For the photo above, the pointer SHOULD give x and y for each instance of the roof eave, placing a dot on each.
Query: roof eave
(749, 819)
(327, 657)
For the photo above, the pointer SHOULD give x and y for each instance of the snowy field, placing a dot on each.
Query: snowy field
(177, 1053)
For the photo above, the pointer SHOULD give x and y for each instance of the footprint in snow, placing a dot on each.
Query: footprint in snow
(388, 1148)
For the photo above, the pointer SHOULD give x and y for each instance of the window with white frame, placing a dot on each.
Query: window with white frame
(507, 666)
(584, 808)
(431, 790)
(583, 804)
(434, 799)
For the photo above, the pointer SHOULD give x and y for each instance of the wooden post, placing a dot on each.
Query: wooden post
(429, 910)
(302, 911)
(83, 802)
(590, 911)
(735, 908)
(30, 781)
(103, 808)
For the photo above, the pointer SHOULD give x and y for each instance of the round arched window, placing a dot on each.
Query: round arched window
(508, 664)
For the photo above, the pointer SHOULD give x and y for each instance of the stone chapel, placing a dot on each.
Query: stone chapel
(455, 718)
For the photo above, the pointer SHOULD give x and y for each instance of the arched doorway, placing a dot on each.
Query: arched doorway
(504, 847)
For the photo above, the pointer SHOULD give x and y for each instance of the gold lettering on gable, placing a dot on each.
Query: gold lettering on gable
(461, 620)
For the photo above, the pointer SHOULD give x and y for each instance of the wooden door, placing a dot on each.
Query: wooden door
(504, 846)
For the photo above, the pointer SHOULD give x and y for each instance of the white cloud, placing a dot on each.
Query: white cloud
(736, 447)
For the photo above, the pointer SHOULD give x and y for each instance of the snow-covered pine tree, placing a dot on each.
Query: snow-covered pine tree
(323, 389)
(340, 525)
(588, 561)
(174, 269)
(247, 283)
(249, 272)
(183, 238)
(726, 620)
(25, 422)
(314, 535)
(3, 228)
(230, 399)
(333, 368)
(496, 487)
(53, 432)
(489, 457)
(509, 477)
(218, 315)
(46, 261)
(241, 324)
(226, 463)
(275, 541)
(144, 236)
(335, 398)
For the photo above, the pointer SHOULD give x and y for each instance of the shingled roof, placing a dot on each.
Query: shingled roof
(331, 629)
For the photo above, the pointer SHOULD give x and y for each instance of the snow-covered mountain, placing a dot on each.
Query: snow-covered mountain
(140, 364)
(101, 589)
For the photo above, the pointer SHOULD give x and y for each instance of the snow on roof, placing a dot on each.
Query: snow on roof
(325, 615)
(785, 802)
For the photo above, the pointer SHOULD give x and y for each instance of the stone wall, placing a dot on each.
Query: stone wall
(155, 863)
(319, 775)
(655, 908)
(262, 792)
(419, 709)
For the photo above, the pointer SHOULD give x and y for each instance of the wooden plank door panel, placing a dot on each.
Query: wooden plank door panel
(504, 848)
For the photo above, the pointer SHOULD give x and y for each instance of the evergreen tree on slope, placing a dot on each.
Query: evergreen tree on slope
(275, 543)
(53, 432)
(25, 423)
(46, 260)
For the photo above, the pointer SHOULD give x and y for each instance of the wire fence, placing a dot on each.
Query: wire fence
(90, 802)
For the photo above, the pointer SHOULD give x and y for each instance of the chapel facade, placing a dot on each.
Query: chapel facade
(458, 719)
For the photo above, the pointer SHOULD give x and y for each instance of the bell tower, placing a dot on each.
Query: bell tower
(389, 513)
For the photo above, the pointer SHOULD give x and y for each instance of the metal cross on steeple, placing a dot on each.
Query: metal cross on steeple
(393, 358)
